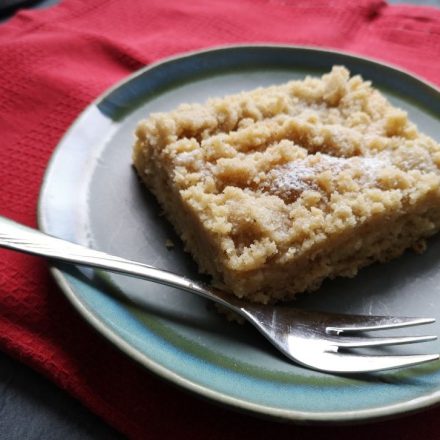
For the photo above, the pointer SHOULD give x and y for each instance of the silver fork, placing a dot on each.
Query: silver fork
(320, 341)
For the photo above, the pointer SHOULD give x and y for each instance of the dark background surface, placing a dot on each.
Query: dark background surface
(31, 407)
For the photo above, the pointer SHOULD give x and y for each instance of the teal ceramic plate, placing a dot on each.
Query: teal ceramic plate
(92, 196)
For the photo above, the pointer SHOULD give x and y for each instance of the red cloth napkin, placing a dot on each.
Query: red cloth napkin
(53, 62)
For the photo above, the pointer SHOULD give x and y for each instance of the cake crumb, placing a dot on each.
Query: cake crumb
(419, 247)
(169, 244)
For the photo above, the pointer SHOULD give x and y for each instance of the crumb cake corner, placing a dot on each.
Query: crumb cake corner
(276, 189)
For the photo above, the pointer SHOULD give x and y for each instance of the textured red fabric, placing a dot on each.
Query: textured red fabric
(53, 62)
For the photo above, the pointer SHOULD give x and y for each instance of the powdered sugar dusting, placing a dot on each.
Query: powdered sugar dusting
(186, 158)
(300, 175)
(370, 166)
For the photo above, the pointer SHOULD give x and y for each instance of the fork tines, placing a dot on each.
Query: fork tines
(339, 360)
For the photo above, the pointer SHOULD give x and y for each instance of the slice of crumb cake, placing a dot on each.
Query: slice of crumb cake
(276, 189)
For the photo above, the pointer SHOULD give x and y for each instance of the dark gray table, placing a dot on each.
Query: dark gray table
(31, 407)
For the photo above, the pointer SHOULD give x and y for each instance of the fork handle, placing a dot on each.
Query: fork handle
(22, 238)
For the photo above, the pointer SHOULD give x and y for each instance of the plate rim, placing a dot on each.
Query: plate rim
(302, 417)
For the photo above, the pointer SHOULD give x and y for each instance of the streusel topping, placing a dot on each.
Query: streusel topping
(274, 172)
